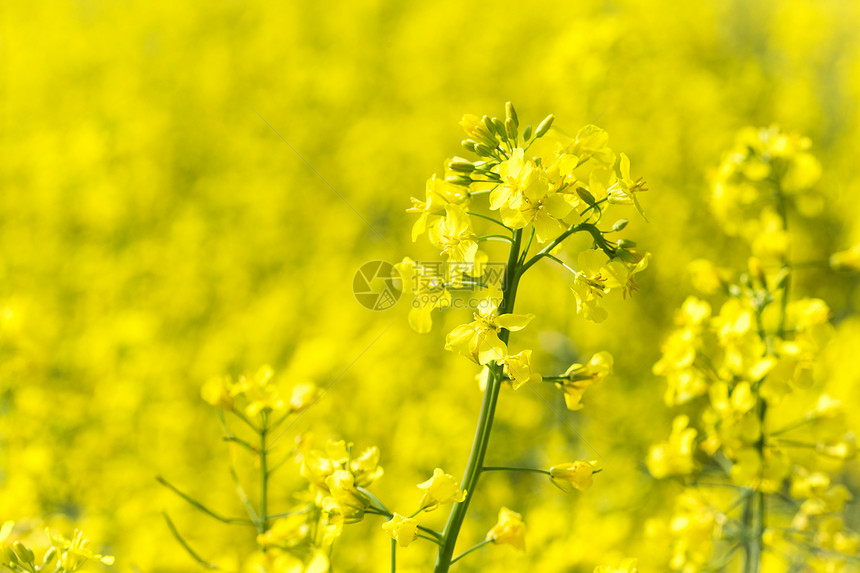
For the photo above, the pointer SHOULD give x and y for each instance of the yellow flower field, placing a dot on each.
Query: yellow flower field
(428, 286)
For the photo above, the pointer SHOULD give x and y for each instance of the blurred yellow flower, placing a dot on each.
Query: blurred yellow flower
(287, 531)
(847, 260)
(580, 376)
(626, 566)
(509, 530)
(75, 553)
(674, 457)
(216, 391)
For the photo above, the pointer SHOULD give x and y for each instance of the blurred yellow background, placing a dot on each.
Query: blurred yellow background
(189, 188)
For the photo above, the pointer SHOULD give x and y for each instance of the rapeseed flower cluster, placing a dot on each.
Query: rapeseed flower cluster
(189, 189)
(758, 418)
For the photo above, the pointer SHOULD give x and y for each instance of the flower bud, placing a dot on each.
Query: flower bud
(461, 166)
(626, 244)
(500, 127)
(619, 225)
(583, 193)
(469, 144)
(23, 553)
(511, 114)
(49, 556)
(626, 256)
(483, 150)
(459, 180)
(511, 129)
(544, 126)
(781, 278)
(488, 124)
(527, 133)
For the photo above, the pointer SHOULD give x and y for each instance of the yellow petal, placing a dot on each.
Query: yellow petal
(514, 321)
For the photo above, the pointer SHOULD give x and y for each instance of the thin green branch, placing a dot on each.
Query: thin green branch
(496, 221)
(263, 523)
(493, 238)
(587, 227)
(194, 555)
(471, 549)
(240, 491)
(513, 469)
(510, 281)
(201, 507)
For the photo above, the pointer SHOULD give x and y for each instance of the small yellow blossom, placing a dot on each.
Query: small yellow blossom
(427, 284)
(624, 190)
(509, 530)
(479, 340)
(844, 449)
(674, 457)
(303, 396)
(440, 489)
(285, 532)
(438, 194)
(580, 376)
(577, 475)
(453, 234)
(518, 367)
(75, 553)
(402, 529)
(626, 566)
(847, 260)
(216, 391)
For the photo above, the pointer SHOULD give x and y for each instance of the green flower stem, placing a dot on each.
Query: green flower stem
(239, 441)
(496, 221)
(755, 514)
(562, 263)
(513, 469)
(393, 555)
(240, 491)
(528, 246)
(201, 507)
(483, 238)
(245, 419)
(792, 426)
(555, 379)
(469, 550)
(194, 555)
(547, 250)
(264, 475)
(513, 271)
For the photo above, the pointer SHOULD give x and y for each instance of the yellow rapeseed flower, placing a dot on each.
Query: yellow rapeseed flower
(402, 529)
(440, 489)
(509, 530)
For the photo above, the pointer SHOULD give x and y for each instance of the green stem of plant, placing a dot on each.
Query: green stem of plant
(513, 469)
(393, 556)
(469, 550)
(513, 271)
(483, 238)
(496, 221)
(588, 227)
(757, 502)
(264, 474)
